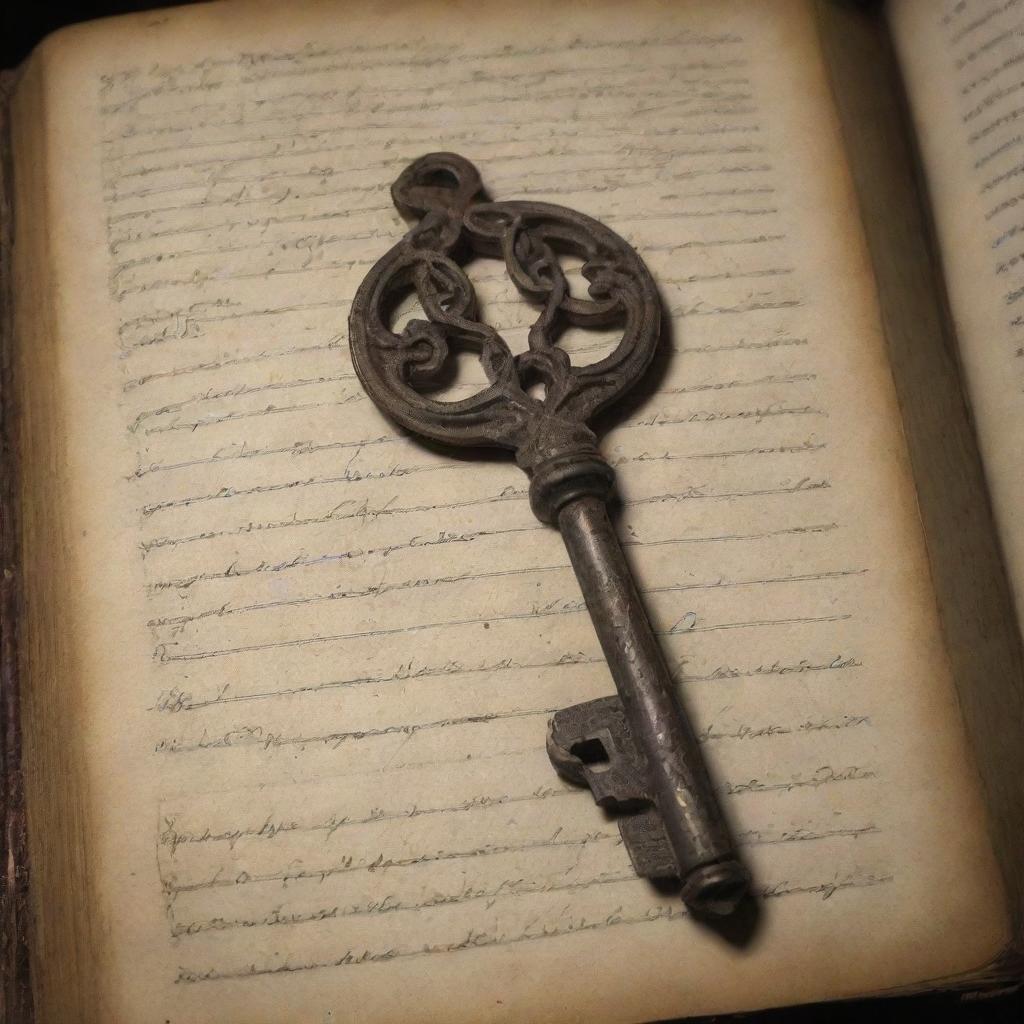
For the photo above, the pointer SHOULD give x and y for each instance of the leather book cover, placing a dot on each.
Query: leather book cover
(15, 990)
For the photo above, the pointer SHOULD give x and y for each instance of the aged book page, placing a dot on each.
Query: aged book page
(313, 660)
(973, 593)
(962, 64)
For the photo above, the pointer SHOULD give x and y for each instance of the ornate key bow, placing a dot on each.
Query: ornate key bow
(637, 752)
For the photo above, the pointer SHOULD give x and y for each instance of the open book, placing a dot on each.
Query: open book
(285, 673)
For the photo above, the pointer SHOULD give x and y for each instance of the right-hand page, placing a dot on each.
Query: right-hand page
(963, 63)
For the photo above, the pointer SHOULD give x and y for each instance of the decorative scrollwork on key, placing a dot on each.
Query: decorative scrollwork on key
(456, 221)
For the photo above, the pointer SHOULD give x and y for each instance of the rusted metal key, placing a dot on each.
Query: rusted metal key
(637, 752)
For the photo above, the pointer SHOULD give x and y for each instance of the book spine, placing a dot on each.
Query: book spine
(15, 982)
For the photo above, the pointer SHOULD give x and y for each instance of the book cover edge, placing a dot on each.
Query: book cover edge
(15, 979)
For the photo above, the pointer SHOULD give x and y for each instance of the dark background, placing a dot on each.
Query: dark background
(22, 25)
(24, 22)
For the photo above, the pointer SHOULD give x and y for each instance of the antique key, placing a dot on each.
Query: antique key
(637, 752)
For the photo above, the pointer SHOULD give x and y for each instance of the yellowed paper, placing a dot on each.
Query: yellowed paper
(962, 63)
(320, 657)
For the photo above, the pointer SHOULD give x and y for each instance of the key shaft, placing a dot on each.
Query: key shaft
(713, 879)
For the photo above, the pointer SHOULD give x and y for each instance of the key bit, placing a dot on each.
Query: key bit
(637, 752)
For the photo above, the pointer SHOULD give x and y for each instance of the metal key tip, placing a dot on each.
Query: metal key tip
(716, 890)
